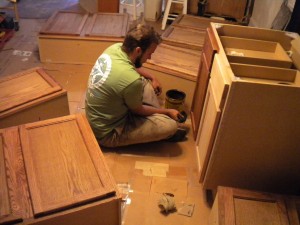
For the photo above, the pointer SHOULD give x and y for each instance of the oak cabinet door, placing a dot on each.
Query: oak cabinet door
(63, 164)
(242, 207)
(114, 25)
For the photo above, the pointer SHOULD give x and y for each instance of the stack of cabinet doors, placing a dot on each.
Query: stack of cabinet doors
(53, 172)
(29, 96)
(233, 206)
(246, 123)
(176, 61)
(80, 38)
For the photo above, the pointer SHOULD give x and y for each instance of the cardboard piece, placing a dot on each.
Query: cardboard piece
(152, 169)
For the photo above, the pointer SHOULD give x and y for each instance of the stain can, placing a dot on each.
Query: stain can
(175, 99)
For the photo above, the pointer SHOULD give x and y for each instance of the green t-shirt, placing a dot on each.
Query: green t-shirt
(114, 87)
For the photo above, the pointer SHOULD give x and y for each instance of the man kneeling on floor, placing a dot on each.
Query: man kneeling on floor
(121, 100)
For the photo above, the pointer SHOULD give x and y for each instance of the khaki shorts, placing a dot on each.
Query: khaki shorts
(139, 129)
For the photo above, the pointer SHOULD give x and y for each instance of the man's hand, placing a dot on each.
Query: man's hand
(156, 86)
(174, 114)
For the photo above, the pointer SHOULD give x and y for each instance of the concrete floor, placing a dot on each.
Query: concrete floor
(148, 170)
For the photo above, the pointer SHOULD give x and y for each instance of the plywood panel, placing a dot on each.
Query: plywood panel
(65, 22)
(25, 87)
(80, 173)
(184, 37)
(108, 24)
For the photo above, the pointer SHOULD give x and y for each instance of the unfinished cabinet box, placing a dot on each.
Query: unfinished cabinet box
(29, 96)
(242, 207)
(53, 172)
(87, 38)
(249, 126)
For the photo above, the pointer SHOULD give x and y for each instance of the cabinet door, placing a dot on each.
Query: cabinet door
(64, 165)
(243, 207)
(210, 47)
(207, 130)
(293, 207)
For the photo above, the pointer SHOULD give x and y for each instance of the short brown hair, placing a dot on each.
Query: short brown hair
(141, 35)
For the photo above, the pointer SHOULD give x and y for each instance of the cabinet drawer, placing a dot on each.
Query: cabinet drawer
(256, 52)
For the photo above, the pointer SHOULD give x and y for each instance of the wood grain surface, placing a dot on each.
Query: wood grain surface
(108, 25)
(15, 201)
(65, 23)
(64, 165)
(24, 87)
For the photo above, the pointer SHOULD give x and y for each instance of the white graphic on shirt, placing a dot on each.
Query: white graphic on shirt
(100, 71)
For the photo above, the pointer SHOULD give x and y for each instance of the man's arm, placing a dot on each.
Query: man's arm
(154, 81)
(146, 110)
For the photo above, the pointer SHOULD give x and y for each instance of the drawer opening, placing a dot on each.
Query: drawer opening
(264, 72)
(256, 52)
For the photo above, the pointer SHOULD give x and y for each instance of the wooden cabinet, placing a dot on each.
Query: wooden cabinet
(236, 9)
(176, 68)
(53, 172)
(29, 96)
(80, 38)
(242, 207)
(247, 136)
(293, 207)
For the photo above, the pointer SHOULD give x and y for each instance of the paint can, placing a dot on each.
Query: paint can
(175, 99)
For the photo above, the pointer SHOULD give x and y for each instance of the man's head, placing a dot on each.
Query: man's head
(140, 42)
